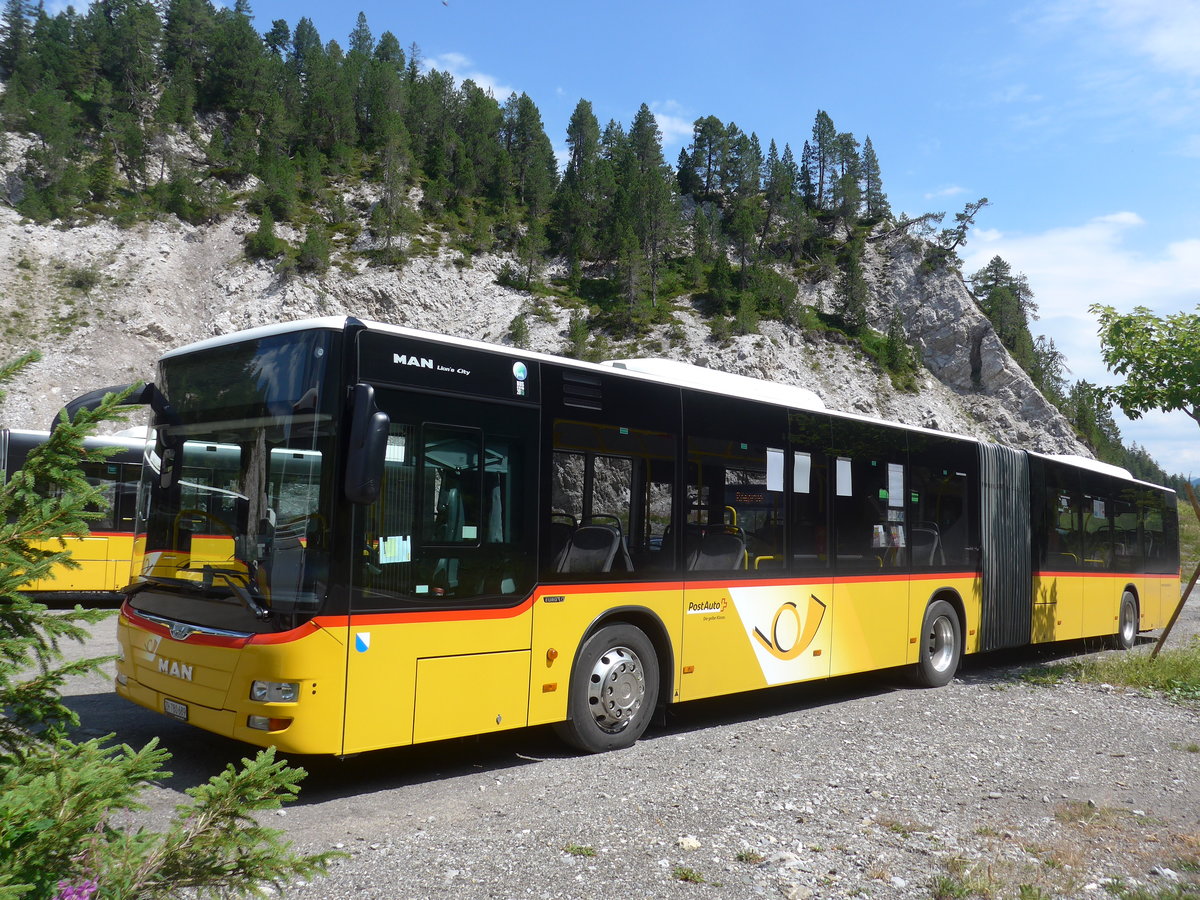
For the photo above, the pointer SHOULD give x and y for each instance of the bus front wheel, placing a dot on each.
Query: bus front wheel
(940, 645)
(614, 688)
(1127, 624)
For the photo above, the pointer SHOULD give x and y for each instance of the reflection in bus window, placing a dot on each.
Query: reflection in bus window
(735, 518)
(452, 521)
(611, 491)
(940, 526)
(872, 523)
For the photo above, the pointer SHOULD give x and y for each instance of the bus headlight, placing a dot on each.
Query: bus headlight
(274, 692)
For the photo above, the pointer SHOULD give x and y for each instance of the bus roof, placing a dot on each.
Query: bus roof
(683, 374)
(667, 371)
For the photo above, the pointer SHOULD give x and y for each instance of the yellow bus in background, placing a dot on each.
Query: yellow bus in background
(105, 554)
(360, 536)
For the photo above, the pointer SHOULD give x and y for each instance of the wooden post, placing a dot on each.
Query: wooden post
(1191, 584)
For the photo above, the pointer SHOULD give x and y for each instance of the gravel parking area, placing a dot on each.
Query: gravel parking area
(858, 787)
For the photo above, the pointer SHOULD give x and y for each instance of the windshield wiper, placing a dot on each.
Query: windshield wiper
(244, 589)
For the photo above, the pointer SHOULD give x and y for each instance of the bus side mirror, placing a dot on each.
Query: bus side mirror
(367, 446)
(137, 394)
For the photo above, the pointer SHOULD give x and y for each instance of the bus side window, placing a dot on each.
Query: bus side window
(452, 523)
(736, 519)
(939, 501)
(872, 529)
(611, 497)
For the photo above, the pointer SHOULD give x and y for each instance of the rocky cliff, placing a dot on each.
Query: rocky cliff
(101, 303)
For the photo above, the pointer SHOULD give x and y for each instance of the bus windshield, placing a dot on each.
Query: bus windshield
(233, 506)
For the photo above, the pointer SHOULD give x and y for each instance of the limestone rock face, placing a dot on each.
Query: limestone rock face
(102, 303)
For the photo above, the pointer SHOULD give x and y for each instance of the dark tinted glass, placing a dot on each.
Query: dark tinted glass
(454, 522)
(809, 441)
(870, 513)
(941, 498)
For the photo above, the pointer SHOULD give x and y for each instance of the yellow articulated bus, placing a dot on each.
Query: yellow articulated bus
(105, 554)
(359, 536)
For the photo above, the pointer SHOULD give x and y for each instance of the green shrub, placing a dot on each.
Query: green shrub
(65, 823)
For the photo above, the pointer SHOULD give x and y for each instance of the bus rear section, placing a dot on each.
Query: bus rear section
(104, 557)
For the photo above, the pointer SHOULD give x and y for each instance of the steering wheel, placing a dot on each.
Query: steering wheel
(196, 512)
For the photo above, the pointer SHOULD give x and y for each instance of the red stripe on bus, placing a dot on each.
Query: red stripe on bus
(1103, 574)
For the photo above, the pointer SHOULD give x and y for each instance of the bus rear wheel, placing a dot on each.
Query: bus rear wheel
(1127, 623)
(940, 645)
(614, 688)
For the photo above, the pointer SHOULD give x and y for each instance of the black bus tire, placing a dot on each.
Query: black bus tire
(939, 646)
(613, 691)
(1127, 623)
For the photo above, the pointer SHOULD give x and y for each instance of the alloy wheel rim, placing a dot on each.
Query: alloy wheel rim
(616, 689)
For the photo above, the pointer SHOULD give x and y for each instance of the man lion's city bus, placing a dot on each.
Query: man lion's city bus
(356, 536)
(104, 556)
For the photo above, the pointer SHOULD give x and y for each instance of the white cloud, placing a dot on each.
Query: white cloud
(1135, 57)
(1173, 439)
(1167, 33)
(461, 68)
(949, 191)
(1072, 267)
(673, 122)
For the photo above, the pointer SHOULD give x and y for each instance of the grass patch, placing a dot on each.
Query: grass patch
(751, 857)
(691, 876)
(947, 887)
(1080, 812)
(580, 850)
(902, 827)
(1174, 673)
(1169, 892)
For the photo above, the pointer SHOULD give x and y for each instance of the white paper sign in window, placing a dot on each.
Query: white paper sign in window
(802, 475)
(395, 549)
(895, 484)
(845, 487)
(774, 470)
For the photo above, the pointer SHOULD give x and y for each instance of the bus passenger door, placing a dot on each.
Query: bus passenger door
(1058, 584)
(439, 633)
(872, 543)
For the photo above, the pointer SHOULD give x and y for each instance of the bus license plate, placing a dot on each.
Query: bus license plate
(175, 709)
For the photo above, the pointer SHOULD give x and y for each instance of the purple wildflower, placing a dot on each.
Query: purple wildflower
(68, 891)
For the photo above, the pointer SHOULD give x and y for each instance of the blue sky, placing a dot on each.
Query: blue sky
(1076, 118)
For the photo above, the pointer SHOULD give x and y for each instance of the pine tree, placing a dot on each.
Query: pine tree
(779, 187)
(875, 201)
(535, 172)
(315, 250)
(824, 156)
(264, 243)
(15, 39)
(852, 291)
(1007, 300)
(187, 33)
(846, 196)
(650, 194)
(807, 184)
(237, 76)
(708, 154)
(577, 202)
(63, 805)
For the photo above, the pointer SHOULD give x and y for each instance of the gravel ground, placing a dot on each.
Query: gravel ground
(860, 787)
